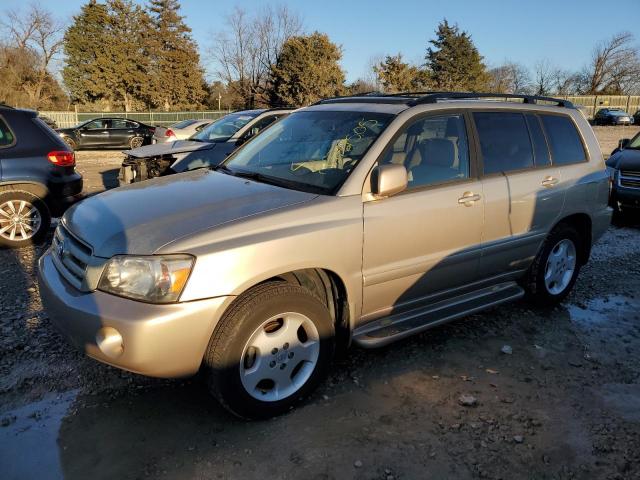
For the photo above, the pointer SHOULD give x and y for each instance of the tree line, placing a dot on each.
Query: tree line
(118, 54)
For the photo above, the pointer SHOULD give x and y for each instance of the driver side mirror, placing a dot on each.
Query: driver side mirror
(623, 143)
(387, 180)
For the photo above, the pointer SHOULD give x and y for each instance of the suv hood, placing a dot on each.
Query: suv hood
(628, 159)
(159, 149)
(142, 217)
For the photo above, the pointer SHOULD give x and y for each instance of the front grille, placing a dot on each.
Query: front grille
(71, 257)
(629, 179)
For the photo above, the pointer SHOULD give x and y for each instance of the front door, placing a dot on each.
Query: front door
(427, 239)
(95, 133)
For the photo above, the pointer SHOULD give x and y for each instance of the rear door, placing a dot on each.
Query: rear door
(121, 131)
(425, 240)
(523, 193)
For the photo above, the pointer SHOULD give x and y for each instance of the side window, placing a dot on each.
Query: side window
(129, 124)
(504, 141)
(262, 123)
(96, 125)
(6, 137)
(433, 149)
(566, 146)
(118, 123)
(540, 148)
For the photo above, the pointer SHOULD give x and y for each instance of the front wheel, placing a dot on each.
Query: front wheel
(71, 142)
(24, 218)
(555, 269)
(271, 349)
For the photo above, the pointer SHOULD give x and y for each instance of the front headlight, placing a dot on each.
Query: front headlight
(154, 278)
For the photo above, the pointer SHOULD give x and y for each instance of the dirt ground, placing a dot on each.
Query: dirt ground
(565, 404)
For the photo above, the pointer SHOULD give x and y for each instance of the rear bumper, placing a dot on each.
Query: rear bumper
(156, 340)
(63, 192)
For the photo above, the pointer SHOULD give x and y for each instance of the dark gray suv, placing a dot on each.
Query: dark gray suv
(38, 178)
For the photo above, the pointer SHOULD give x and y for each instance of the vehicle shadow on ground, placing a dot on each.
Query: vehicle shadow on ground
(402, 416)
(110, 178)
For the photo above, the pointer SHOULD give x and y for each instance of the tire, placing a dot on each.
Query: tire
(71, 142)
(541, 286)
(34, 218)
(246, 353)
(136, 142)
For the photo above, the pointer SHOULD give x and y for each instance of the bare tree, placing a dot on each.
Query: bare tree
(544, 76)
(511, 77)
(614, 66)
(38, 36)
(245, 52)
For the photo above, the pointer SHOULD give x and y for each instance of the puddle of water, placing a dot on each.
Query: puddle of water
(599, 311)
(28, 446)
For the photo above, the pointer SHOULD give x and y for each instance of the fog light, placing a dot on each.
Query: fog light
(110, 342)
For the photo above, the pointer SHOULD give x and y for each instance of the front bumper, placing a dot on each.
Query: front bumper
(625, 197)
(157, 340)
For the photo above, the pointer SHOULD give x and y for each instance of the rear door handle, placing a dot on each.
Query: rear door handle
(549, 182)
(468, 199)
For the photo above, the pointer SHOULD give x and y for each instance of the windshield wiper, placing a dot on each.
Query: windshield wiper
(278, 182)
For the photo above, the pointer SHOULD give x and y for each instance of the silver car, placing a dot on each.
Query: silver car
(356, 220)
(179, 131)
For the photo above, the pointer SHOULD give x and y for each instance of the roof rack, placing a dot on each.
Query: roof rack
(433, 97)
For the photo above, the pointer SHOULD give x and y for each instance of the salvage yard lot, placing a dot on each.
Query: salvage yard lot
(448, 403)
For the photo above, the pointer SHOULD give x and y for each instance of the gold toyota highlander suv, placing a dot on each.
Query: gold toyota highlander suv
(358, 219)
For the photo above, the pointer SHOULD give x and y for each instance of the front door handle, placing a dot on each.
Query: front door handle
(549, 182)
(468, 199)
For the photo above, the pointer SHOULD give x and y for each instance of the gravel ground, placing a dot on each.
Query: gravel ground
(445, 404)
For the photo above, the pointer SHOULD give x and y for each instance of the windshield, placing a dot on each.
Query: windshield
(223, 129)
(634, 143)
(183, 124)
(311, 151)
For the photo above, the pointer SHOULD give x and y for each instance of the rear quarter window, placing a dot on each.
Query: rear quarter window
(6, 136)
(564, 141)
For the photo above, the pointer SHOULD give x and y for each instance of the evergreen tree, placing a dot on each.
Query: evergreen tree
(127, 63)
(454, 62)
(306, 70)
(86, 59)
(176, 75)
(398, 76)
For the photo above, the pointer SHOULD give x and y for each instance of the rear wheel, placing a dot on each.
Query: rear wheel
(136, 142)
(271, 349)
(555, 269)
(24, 218)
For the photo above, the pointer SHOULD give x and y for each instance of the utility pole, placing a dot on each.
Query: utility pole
(219, 98)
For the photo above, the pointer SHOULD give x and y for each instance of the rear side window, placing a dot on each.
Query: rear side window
(6, 137)
(540, 148)
(504, 141)
(566, 146)
(183, 124)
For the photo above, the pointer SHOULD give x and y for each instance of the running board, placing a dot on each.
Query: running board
(395, 327)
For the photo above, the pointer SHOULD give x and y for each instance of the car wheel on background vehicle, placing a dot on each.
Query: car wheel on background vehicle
(71, 142)
(136, 142)
(272, 348)
(555, 269)
(24, 218)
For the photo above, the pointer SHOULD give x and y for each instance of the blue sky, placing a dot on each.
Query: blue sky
(564, 31)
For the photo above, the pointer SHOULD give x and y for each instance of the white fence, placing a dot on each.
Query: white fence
(69, 119)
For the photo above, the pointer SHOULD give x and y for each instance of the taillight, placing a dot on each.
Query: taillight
(62, 158)
(169, 133)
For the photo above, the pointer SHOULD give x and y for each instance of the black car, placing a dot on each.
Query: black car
(38, 178)
(624, 169)
(612, 116)
(636, 117)
(107, 133)
(207, 148)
